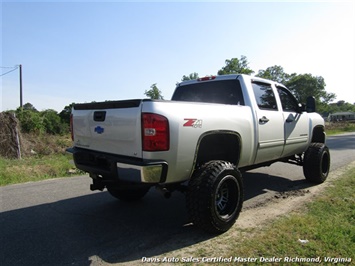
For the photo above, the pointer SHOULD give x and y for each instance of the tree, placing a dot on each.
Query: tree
(340, 106)
(275, 73)
(29, 106)
(301, 85)
(154, 93)
(53, 123)
(236, 66)
(304, 85)
(192, 76)
(65, 113)
(47, 121)
(50, 120)
(340, 103)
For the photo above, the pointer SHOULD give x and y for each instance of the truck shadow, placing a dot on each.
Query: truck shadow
(96, 227)
(256, 184)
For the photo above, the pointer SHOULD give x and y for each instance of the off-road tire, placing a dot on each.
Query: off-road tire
(214, 196)
(316, 163)
(128, 194)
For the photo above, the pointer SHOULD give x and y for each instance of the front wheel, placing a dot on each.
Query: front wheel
(316, 163)
(215, 196)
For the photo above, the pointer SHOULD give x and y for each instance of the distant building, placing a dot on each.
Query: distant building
(342, 116)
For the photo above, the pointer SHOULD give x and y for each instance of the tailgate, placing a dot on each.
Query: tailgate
(110, 127)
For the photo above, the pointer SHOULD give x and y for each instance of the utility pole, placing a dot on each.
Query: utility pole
(21, 104)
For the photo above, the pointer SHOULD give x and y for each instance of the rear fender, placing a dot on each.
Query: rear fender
(218, 145)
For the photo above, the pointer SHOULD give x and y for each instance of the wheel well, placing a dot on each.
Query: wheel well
(318, 134)
(219, 146)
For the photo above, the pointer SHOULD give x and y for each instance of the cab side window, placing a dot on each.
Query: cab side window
(264, 96)
(289, 103)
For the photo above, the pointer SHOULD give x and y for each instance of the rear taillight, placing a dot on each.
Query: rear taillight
(155, 132)
(71, 127)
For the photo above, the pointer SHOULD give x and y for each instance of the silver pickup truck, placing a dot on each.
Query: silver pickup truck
(213, 129)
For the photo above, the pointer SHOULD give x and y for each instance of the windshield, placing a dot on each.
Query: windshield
(217, 91)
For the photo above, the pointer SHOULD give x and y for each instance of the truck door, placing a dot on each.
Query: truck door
(270, 124)
(296, 125)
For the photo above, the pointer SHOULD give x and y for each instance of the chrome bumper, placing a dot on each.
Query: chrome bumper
(118, 168)
(140, 174)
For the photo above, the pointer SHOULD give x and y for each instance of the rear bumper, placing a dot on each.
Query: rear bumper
(119, 168)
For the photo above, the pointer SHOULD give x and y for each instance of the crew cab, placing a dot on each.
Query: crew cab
(213, 129)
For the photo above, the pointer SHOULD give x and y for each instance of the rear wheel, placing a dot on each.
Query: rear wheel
(128, 194)
(316, 163)
(215, 196)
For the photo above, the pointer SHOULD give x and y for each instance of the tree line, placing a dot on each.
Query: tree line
(301, 85)
(48, 121)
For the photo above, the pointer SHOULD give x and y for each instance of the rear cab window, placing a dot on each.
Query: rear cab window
(217, 91)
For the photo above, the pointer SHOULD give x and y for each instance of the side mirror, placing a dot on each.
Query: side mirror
(311, 104)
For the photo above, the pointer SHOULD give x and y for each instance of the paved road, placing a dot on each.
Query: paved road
(60, 222)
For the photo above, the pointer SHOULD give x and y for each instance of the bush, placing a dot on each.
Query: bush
(30, 121)
(47, 121)
(52, 122)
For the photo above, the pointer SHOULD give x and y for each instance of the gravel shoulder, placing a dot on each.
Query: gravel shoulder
(286, 202)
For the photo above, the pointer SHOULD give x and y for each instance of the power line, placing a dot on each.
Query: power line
(14, 68)
(20, 72)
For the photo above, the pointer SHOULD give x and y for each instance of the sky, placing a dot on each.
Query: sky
(81, 51)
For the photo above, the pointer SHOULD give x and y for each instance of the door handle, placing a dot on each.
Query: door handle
(263, 120)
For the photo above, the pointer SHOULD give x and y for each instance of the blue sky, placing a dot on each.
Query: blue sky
(95, 51)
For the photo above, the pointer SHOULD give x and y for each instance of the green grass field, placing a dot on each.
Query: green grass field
(327, 223)
(340, 127)
(35, 168)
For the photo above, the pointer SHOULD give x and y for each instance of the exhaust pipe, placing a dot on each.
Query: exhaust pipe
(165, 192)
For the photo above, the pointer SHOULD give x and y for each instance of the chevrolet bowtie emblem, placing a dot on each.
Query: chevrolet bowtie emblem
(99, 130)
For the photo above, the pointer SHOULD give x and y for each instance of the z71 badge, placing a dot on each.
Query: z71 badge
(193, 122)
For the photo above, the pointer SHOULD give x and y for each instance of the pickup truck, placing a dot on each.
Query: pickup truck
(198, 143)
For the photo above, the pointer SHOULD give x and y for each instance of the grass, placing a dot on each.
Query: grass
(339, 127)
(35, 168)
(328, 224)
(43, 157)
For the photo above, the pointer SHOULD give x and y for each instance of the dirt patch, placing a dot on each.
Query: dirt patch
(284, 203)
(292, 193)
